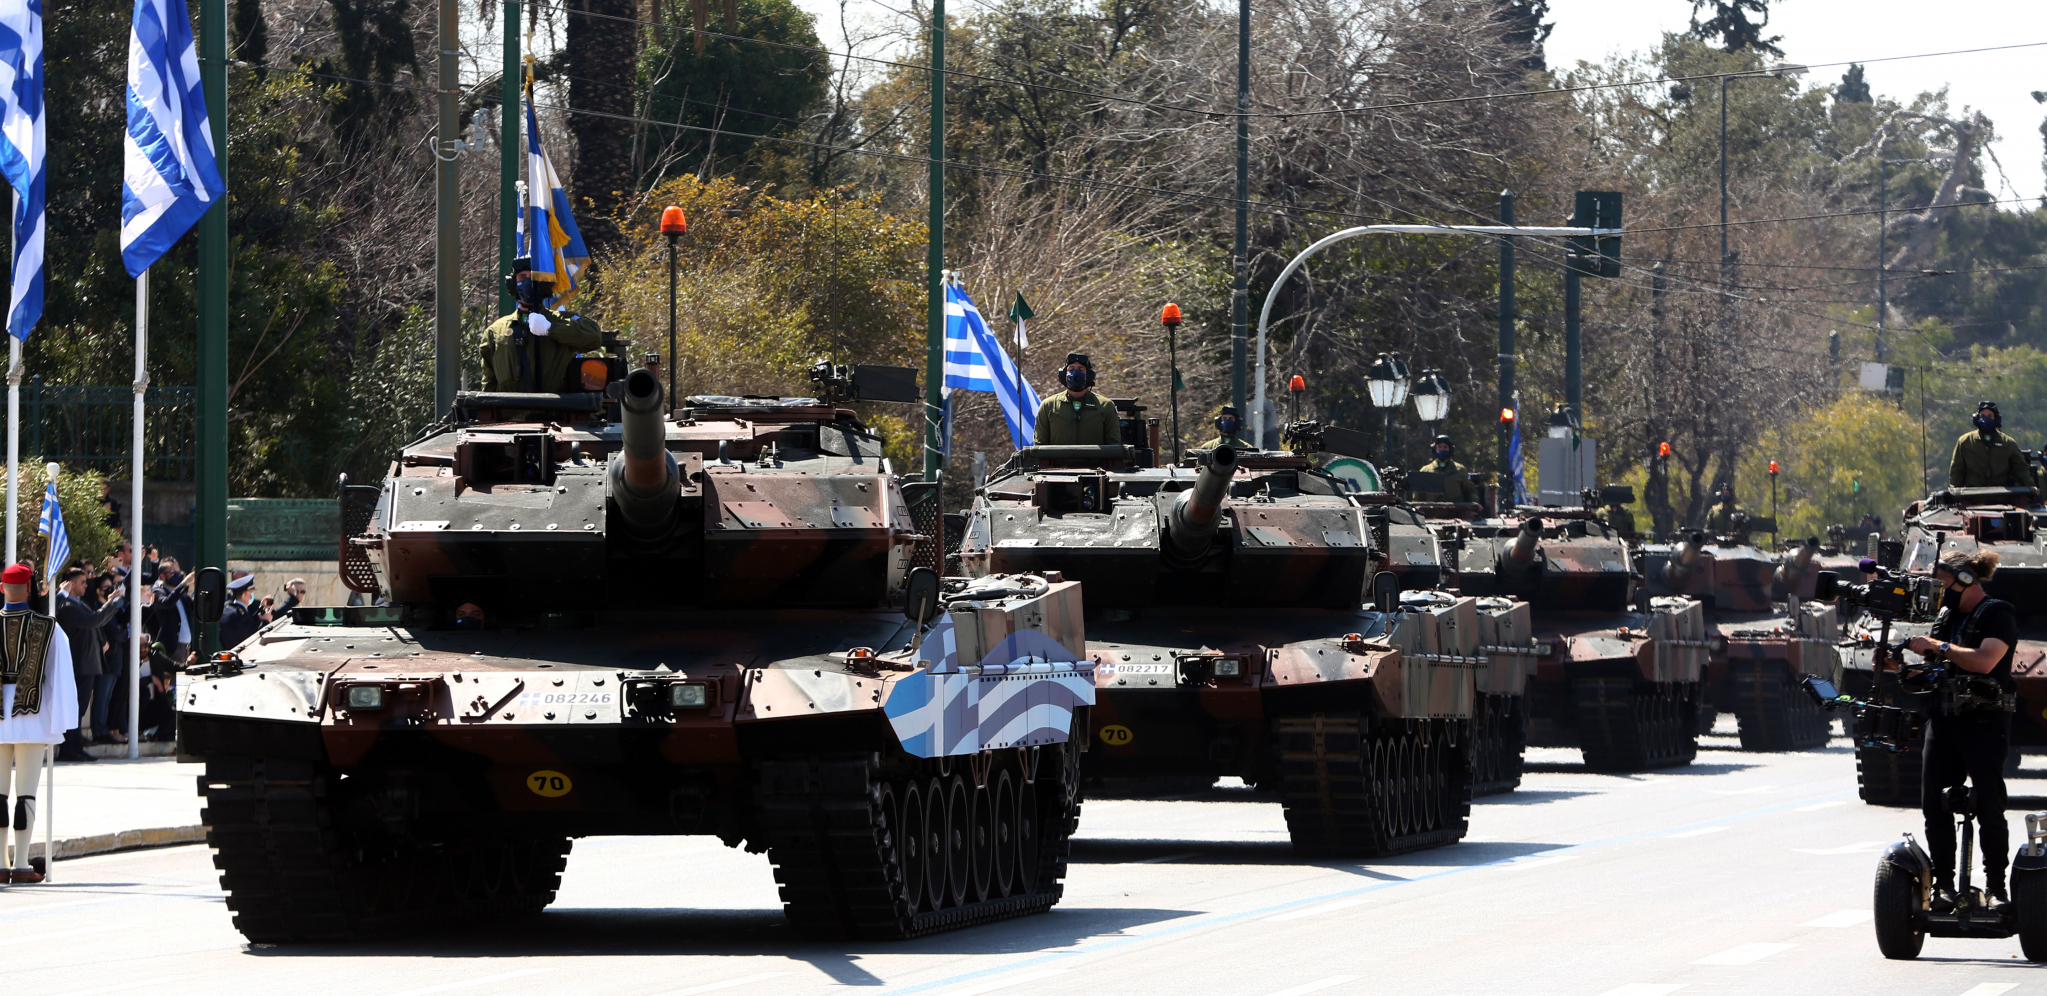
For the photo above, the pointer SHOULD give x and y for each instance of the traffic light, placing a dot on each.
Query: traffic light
(1596, 256)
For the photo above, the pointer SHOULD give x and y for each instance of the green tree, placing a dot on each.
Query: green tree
(1855, 454)
(1854, 88)
(1731, 26)
(733, 87)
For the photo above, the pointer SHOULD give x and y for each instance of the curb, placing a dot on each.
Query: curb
(125, 840)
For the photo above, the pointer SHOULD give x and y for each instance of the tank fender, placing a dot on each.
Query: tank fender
(1022, 693)
(287, 695)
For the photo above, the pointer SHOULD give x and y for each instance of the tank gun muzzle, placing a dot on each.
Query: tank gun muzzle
(1518, 556)
(1677, 573)
(644, 478)
(1190, 526)
(1793, 571)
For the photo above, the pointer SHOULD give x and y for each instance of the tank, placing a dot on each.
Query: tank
(708, 622)
(1618, 674)
(1765, 629)
(1228, 617)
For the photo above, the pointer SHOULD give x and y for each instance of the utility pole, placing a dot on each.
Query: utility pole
(1240, 295)
(447, 228)
(510, 149)
(210, 524)
(1574, 352)
(934, 280)
(1506, 330)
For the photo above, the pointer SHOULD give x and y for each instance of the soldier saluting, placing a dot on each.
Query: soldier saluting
(533, 348)
(38, 702)
(1987, 458)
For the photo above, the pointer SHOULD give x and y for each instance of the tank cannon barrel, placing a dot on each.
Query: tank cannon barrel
(1794, 570)
(1192, 522)
(1522, 550)
(644, 478)
(1678, 572)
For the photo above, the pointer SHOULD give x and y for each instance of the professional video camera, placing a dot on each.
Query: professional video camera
(1888, 595)
(1888, 722)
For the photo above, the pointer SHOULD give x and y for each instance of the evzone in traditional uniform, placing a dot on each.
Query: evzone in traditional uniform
(38, 702)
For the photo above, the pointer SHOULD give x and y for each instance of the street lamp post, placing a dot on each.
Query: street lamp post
(1387, 381)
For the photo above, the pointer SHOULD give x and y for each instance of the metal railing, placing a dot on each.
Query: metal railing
(89, 428)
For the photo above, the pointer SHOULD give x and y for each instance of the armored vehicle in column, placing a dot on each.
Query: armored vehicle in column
(1766, 631)
(617, 619)
(1229, 624)
(1617, 674)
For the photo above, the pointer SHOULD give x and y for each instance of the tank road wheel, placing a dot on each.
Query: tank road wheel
(1028, 846)
(1002, 791)
(981, 842)
(959, 845)
(1773, 712)
(294, 872)
(1899, 934)
(1355, 788)
(830, 824)
(1499, 738)
(1629, 725)
(2029, 902)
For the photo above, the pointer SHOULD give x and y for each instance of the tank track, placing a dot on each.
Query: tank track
(1775, 715)
(1630, 725)
(1355, 787)
(293, 872)
(916, 848)
(1498, 742)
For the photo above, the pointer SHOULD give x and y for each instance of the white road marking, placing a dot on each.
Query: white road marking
(1817, 806)
(1538, 862)
(727, 984)
(1845, 918)
(1859, 847)
(1991, 989)
(472, 983)
(55, 934)
(1744, 954)
(1645, 989)
(1316, 986)
(1700, 832)
(1758, 790)
(1342, 904)
(122, 987)
(1014, 980)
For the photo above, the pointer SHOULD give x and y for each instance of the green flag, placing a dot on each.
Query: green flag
(1178, 384)
(1017, 313)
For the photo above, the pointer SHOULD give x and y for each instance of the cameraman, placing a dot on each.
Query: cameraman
(1976, 634)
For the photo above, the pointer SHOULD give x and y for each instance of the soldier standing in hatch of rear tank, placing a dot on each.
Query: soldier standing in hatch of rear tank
(1728, 517)
(1619, 519)
(1457, 483)
(1987, 458)
(1229, 431)
(1079, 416)
(533, 349)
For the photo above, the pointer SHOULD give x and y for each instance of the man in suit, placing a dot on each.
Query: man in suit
(81, 624)
(173, 620)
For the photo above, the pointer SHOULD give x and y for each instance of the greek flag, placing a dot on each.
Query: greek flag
(561, 255)
(21, 154)
(974, 361)
(168, 173)
(1515, 463)
(52, 526)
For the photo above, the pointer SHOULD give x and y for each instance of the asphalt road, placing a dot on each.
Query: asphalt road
(1743, 873)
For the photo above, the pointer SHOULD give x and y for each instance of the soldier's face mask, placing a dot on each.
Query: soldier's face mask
(528, 291)
(468, 623)
(1441, 452)
(1076, 378)
(1227, 425)
(1985, 423)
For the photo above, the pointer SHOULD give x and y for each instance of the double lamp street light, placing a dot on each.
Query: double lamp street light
(1389, 385)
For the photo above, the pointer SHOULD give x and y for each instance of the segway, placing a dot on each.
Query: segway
(1904, 891)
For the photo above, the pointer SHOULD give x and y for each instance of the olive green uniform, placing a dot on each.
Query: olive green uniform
(1457, 483)
(1721, 519)
(1622, 521)
(1089, 421)
(549, 358)
(1234, 442)
(1992, 461)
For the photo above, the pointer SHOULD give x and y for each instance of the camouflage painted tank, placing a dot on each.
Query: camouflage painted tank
(1227, 622)
(694, 624)
(1766, 633)
(1616, 676)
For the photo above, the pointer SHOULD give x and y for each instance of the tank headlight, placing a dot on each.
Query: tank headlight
(1228, 667)
(366, 696)
(688, 696)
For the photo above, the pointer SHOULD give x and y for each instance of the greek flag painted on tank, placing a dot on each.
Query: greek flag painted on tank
(1022, 694)
(169, 176)
(22, 148)
(974, 361)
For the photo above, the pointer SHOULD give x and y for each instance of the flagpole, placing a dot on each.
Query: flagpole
(49, 549)
(135, 519)
(14, 368)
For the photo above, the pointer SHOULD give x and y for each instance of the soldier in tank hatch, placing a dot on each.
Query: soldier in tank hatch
(1728, 517)
(1987, 458)
(1229, 429)
(1078, 416)
(1457, 483)
(534, 349)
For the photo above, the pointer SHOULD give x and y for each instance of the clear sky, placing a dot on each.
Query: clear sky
(1999, 84)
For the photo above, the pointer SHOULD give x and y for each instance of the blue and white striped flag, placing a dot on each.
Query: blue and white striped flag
(974, 361)
(52, 526)
(21, 154)
(560, 255)
(168, 173)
